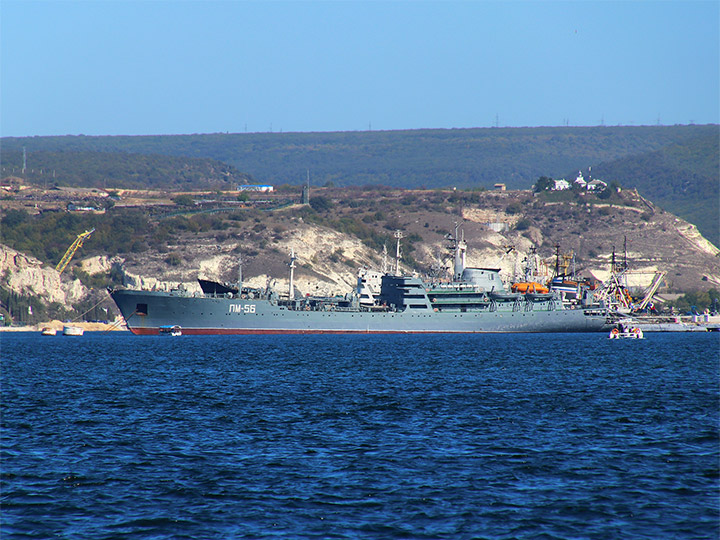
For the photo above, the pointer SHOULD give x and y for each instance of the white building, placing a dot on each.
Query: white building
(498, 226)
(596, 185)
(589, 185)
(251, 187)
(561, 185)
(580, 181)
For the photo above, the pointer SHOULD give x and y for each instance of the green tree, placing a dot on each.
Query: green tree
(605, 193)
(184, 200)
(13, 218)
(320, 203)
(544, 183)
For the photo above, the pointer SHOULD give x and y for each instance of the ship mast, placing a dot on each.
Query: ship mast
(240, 281)
(625, 261)
(460, 248)
(613, 265)
(530, 269)
(291, 291)
(557, 260)
(398, 235)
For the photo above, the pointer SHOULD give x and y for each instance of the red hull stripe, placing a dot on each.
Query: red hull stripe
(245, 331)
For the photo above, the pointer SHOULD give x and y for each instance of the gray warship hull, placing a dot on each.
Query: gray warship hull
(147, 311)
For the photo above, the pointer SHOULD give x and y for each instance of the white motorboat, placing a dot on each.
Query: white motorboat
(622, 331)
(73, 330)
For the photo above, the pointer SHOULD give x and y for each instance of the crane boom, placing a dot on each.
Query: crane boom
(72, 249)
(651, 290)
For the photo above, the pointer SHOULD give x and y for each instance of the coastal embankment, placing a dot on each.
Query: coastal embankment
(58, 326)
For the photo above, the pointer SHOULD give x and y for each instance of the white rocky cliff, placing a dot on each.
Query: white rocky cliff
(27, 275)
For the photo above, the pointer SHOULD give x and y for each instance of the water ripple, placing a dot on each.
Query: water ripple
(378, 437)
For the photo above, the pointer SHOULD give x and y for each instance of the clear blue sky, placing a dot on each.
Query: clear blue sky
(167, 67)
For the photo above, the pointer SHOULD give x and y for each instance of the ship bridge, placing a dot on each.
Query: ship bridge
(404, 292)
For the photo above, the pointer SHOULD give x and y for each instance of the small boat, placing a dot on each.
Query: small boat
(539, 297)
(174, 330)
(504, 296)
(47, 331)
(73, 330)
(529, 287)
(624, 332)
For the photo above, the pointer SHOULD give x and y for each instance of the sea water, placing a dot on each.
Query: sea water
(379, 437)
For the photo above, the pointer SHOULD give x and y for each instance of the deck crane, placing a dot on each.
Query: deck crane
(651, 290)
(72, 249)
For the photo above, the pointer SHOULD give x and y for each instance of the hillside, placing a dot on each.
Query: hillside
(150, 241)
(129, 171)
(678, 177)
(673, 165)
(463, 158)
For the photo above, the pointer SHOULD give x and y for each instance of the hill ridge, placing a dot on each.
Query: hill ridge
(471, 158)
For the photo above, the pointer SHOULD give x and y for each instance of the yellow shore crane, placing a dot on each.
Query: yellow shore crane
(72, 249)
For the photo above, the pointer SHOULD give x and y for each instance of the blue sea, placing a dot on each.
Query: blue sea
(111, 436)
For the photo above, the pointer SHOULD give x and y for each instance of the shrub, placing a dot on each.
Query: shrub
(320, 204)
(605, 194)
(184, 200)
(173, 259)
(523, 225)
(514, 208)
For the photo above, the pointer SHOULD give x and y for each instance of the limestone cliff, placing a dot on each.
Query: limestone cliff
(27, 275)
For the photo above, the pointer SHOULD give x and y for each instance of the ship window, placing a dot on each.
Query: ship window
(141, 309)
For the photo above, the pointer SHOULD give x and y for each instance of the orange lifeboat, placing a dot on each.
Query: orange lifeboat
(529, 287)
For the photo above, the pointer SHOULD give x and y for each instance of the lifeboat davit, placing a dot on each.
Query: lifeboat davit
(529, 287)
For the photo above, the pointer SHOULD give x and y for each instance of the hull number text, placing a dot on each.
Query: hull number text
(242, 308)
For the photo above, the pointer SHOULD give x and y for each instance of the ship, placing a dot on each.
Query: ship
(471, 300)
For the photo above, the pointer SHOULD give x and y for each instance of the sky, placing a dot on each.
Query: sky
(102, 67)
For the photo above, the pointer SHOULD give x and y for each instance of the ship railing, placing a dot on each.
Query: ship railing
(450, 287)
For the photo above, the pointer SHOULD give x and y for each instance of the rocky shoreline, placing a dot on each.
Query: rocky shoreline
(58, 326)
